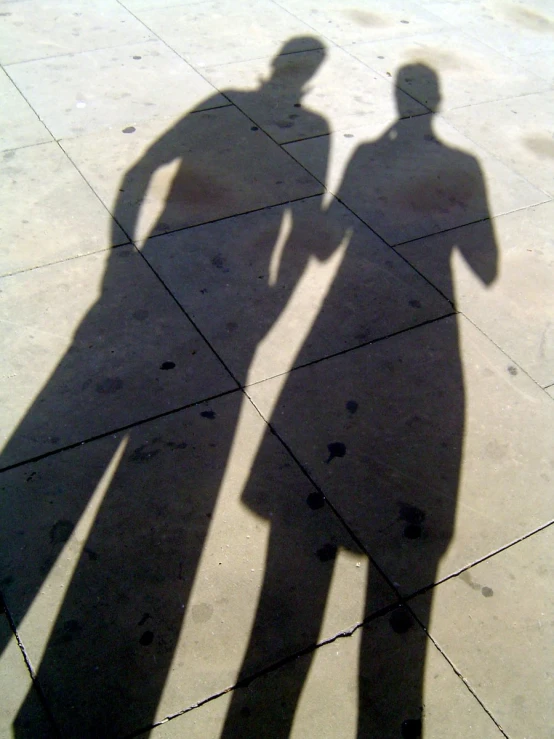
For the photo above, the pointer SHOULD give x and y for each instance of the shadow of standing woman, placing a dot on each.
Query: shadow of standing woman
(392, 416)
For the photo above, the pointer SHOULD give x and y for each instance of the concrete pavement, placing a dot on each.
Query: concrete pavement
(277, 312)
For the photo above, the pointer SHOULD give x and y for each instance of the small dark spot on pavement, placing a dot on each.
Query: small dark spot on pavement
(487, 592)
(401, 621)
(202, 612)
(411, 514)
(129, 129)
(167, 365)
(147, 638)
(412, 531)
(352, 406)
(415, 303)
(254, 128)
(336, 449)
(137, 57)
(208, 414)
(61, 531)
(144, 619)
(512, 370)
(315, 500)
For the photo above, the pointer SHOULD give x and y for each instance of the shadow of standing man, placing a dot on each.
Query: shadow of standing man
(96, 672)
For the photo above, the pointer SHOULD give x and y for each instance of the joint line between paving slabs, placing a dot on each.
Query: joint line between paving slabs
(464, 680)
(332, 507)
(496, 158)
(60, 147)
(504, 352)
(120, 429)
(374, 232)
(226, 218)
(231, 103)
(190, 320)
(35, 685)
(491, 218)
(245, 682)
(355, 348)
(501, 549)
(8, 75)
(239, 387)
(195, 69)
(67, 259)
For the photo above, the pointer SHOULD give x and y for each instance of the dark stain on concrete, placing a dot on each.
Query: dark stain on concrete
(61, 531)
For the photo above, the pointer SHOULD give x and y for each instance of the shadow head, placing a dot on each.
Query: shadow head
(422, 83)
(297, 62)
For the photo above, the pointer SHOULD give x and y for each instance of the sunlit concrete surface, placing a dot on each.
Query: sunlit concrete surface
(277, 313)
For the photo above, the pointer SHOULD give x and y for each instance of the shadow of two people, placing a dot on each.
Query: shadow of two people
(404, 185)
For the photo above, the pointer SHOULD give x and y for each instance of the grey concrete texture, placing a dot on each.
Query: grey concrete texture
(521, 598)
(277, 357)
(15, 684)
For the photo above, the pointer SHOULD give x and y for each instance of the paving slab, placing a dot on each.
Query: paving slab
(328, 103)
(540, 64)
(255, 284)
(470, 71)
(134, 565)
(15, 685)
(392, 690)
(431, 445)
(507, 310)
(80, 93)
(518, 131)
(45, 29)
(161, 175)
(512, 28)
(495, 623)
(19, 124)
(416, 178)
(343, 23)
(49, 213)
(150, 569)
(134, 5)
(253, 29)
(86, 345)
